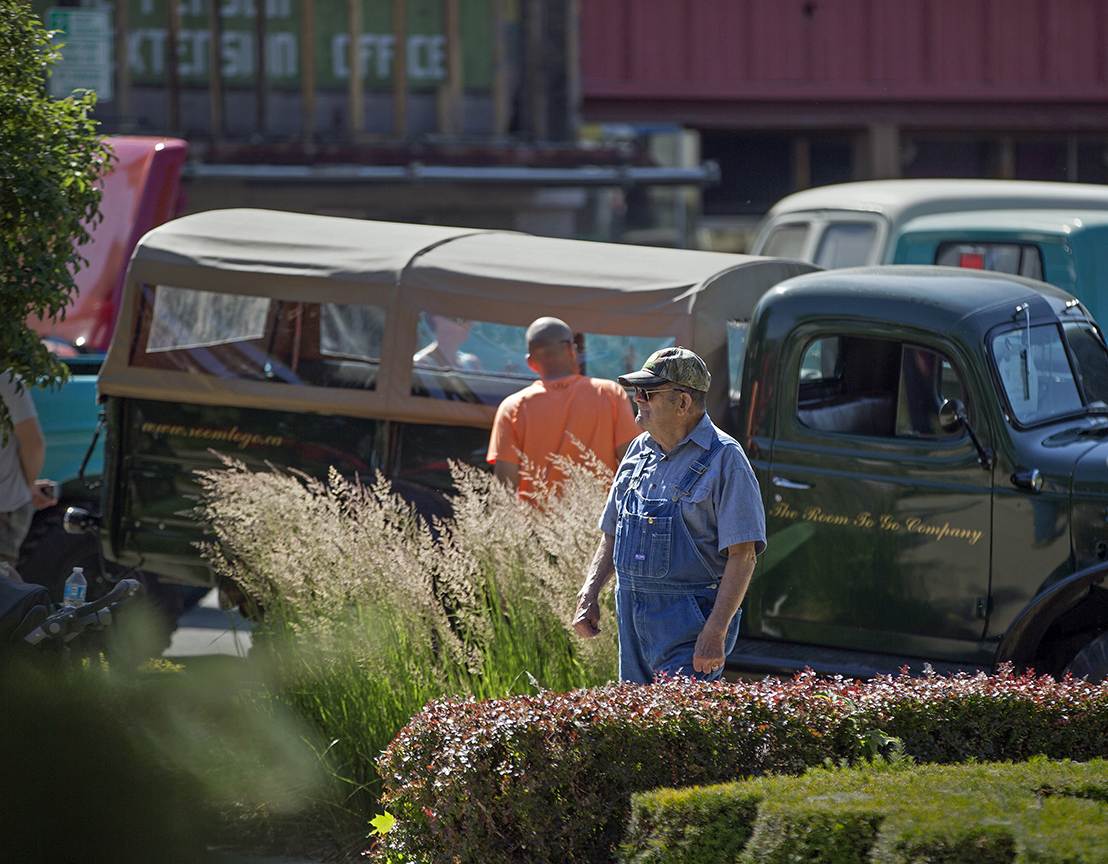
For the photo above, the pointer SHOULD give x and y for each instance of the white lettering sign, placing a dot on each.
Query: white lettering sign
(426, 56)
(146, 53)
(86, 62)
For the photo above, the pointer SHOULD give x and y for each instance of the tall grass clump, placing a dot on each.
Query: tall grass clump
(369, 611)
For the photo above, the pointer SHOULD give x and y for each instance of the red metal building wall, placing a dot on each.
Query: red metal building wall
(857, 51)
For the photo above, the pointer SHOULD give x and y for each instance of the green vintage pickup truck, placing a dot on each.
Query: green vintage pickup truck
(929, 441)
(930, 444)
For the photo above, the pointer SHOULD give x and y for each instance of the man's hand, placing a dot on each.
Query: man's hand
(708, 654)
(586, 620)
(43, 494)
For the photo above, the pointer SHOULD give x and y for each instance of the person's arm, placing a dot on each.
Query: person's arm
(503, 447)
(507, 473)
(32, 448)
(586, 620)
(708, 656)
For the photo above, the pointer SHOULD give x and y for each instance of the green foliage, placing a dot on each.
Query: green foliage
(50, 158)
(672, 826)
(370, 613)
(549, 777)
(104, 765)
(1037, 811)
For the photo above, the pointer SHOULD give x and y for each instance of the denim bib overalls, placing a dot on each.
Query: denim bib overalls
(664, 588)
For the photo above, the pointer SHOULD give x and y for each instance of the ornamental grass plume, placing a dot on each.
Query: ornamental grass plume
(368, 611)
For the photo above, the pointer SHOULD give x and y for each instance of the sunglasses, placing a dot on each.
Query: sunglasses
(646, 395)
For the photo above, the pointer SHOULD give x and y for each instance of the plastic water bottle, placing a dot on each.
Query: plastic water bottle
(75, 587)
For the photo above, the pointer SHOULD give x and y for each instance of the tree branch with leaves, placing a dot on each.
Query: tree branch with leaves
(51, 158)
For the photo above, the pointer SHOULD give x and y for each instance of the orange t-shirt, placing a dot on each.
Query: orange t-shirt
(539, 420)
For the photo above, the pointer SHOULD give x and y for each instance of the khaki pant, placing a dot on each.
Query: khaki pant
(14, 525)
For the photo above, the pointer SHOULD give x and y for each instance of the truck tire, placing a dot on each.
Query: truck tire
(1091, 662)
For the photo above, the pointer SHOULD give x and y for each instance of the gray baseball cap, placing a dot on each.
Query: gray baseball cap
(677, 366)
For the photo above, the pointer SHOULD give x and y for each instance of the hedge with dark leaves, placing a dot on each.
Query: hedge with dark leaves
(548, 778)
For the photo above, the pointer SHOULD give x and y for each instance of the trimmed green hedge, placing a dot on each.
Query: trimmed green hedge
(1037, 811)
(549, 778)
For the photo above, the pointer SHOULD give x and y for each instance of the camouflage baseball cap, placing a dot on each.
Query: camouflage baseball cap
(678, 366)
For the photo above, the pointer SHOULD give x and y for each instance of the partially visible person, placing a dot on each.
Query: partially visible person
(544, 418)
(445, 352)
(21, 457)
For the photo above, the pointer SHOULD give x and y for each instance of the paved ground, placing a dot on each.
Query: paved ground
(207, 629)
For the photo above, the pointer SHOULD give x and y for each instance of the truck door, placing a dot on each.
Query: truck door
(878, 521)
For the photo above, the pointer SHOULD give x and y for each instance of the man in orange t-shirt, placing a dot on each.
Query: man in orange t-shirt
(543, 419)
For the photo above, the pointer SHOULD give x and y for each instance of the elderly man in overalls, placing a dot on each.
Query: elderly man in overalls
(681, 530)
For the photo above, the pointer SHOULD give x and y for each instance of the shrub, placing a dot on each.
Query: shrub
(50, 159)
(964, 814)
(104, 765)
(549, 777)
(369, 612)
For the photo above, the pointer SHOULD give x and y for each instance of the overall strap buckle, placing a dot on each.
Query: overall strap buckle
(636, 476)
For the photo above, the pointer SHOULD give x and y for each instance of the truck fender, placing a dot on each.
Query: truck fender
(1022, 639)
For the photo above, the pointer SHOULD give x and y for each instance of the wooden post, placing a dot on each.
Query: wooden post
(259, 67)
(307, 72)
(801, 162)
(450, 93)
(173, 82)
(501, 110)
(355, 103)
(400, 68)
(536, 68)
(573, 69)
(215, 67)
(122, 68)
(884, 151)
(1006, 158)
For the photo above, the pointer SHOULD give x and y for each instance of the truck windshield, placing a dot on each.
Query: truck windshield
(1091, 359)
(1035, 370)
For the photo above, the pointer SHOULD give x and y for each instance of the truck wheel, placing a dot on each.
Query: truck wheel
(1091, 662)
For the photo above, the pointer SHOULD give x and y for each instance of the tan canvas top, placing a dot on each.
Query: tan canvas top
(491, 276)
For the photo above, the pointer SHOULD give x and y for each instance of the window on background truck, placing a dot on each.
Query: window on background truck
(484, 362)
(258, 338)
(1019, 259)
(787, 240)
(846, 244)
(736, 351)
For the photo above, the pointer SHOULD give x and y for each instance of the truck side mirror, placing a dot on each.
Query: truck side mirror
(952, 415)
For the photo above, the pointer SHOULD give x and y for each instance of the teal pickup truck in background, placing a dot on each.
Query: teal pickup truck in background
(140, 192)
(1067, 248)
(1050, 231)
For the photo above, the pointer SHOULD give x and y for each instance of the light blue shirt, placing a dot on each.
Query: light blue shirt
(724, 506)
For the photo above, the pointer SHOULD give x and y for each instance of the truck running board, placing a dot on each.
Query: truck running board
(762, 657)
